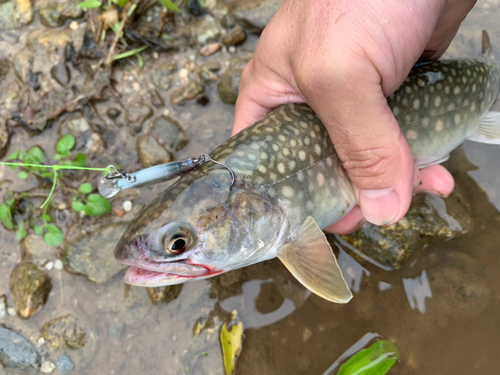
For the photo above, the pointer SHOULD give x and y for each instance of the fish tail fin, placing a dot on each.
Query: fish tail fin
(488, 129)
(486, 44)
(310, 259)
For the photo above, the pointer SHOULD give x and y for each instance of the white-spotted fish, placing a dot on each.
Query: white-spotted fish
(290, 184)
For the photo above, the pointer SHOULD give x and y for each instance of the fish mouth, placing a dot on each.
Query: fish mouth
(143, 273)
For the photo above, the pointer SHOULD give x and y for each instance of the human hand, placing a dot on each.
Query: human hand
(344, 58)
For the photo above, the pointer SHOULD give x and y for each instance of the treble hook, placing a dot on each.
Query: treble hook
(205, 158)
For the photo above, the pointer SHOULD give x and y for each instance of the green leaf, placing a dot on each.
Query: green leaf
(86, 188)
(6, 216)
(65, 144)
(21, 231)
(80, 160)
(58, 156)
(38, 229)
(97, 205)
(35, 156)
(170, 5)
(54, 236)
(231, 341)
(46, 217)
(121, 3)
(129, 53)
(90, 4)
(78, 206)
(376, 360)
(15, 155)
(140, 60)
(22, 175)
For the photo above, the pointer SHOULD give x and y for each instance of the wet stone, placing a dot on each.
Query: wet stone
(150, 152)
(156, 99)
(16, 351)
(254, 15)
(208, 71)
(187, 92)
(235, 37)
(210, 49)
(207, 30)
(229, 85)
(33, 249)
(161, 77)
(429, 216)
(4, 135)
(113, 113)
(69, 51)
(64, 332)
(227, 22)
(159, 295)
(194, 7)
(30, 285)
(78, 125)
(4, 68)
(137, 114)
(61, 74)
(3, 305)
(47, 367)
(169, 133)
(91, 254)
(65, 365)
(15, 13)
(53, 13)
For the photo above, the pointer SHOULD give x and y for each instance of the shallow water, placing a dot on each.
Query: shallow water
(442, 312)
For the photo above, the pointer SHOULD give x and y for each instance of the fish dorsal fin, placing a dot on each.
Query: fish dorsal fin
(486, 44)
(310, 259)
(488, 130)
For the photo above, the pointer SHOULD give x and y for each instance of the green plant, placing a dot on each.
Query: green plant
(375, 360)
(95, 204)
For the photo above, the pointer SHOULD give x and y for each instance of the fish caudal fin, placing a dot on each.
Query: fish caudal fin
(488, 130)
(310, 259)
(486, 44)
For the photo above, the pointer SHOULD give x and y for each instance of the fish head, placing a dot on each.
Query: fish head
(200, 227)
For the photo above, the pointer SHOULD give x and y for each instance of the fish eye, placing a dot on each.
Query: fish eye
(176, 240)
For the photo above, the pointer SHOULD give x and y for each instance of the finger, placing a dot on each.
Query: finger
(349, 223)
(436, 180)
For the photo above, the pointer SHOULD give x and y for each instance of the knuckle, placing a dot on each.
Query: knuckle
(371, 166)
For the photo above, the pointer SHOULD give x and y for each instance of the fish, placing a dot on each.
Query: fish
(289, 184)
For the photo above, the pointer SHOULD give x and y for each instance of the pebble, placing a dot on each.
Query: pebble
(11, 311)
(184, 76)
(16, 351)
(65, 365)
(3, 306)
(210, 49)
(74, 25)
(78, 125)
(49, 266)
(231, 49)
(235, 37)
(61, 74)
(47, 367)
(113, 113)
(58, 264)
(186, 92)
(127, 206)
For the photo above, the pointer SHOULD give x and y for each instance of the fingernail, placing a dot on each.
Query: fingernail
(379, 207)
(417, 181)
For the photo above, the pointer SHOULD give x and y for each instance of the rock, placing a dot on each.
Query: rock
(4, 68)
(210, 49)
(137, 114)
(4, 135)
(65, 365)
(47, 367)
(428, 216)
(227, 22)
(52, 41)
(113, 113)
(166, 294)
(169, 133)
(61, 74)
(150, 152)
(235, 37)
(187, 92)
(69, 52)
(3, 305)
(229, 85)
(30, 286)
(64, 332)
(254, 15)
(78, 125)
(207, 30)
(156, 99)
(207, 71)
(33, 249)
(161, 77)
(53, 13)
(91, 254)
(16, 351)
(15, 13)
(194, 7)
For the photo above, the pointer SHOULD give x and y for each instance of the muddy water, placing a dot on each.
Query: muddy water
(442, 312)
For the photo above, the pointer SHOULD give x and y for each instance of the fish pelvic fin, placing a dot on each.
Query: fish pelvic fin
(486, 44)
(488, 129)
(310, 259)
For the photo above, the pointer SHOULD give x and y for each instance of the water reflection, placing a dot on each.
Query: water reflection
(353, 271)
(417, 290)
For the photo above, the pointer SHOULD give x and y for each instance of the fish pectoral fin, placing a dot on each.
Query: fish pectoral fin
(310, 259)
(488, 130)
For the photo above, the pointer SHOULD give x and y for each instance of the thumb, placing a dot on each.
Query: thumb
(369, 143)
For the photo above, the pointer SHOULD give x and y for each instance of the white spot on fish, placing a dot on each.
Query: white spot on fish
(263, 155)
(473, 106)
(303, 124)
(273, 176)
(255, 146)
(281, 168)
(293, 143)
(329, 162)
(332, 182)
(300, 176)
(317, 148)
(261, 168)
(447, 90)
(437, 101)
(286, 151)
(269, 138)
(302, 155)
(307, 141)
(451, 107)
(310, 205)
(321, 179)
(416, 104)
(252, 157)
(456, 90)
(275, 147)
(282, 138)
(287, 191)
(292, 165)
(457, 119)
(439, 125)
(425, 122)
(411, 134)
(408, 89)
